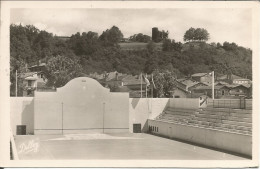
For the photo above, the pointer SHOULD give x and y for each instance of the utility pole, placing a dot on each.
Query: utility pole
(104, 104)
(16, 83)
(141, 86)
(146, 86)
(213, 80)
(62, 117)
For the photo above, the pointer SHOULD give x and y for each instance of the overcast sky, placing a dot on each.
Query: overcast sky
(232, 25)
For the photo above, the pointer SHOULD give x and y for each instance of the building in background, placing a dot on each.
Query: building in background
(202, 77)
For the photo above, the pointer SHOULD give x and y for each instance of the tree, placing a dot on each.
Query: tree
(164, 82)
(84, 44)
(151, 46)
(111, 37)
(169, 45)
(198, 34)
(61, 69)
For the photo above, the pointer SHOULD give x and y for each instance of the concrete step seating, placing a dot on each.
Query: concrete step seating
(243, 111)
(227, 113)
(238, 121)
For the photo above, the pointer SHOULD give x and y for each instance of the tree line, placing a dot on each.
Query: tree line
(89, 52)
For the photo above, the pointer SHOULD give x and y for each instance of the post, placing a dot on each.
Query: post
(152, 86)
(62, 118)
(104, 117)
(16, 83)
(213, 85)
(141, 86)
(146, 86)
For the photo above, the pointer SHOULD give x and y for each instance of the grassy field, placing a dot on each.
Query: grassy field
(137, 46)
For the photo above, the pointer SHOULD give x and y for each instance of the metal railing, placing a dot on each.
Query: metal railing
(231, 103)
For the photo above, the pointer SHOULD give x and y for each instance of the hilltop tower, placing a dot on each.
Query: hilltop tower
(155, 34)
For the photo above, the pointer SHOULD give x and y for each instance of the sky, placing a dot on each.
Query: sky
(223, 24)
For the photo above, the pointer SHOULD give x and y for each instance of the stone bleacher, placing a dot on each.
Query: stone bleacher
(224, 119)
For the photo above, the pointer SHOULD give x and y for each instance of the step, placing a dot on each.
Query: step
(246, 111)
(225, 117)
(178, 113)
(231, 118)
(180, 110)
(237, 126)
(175, 119)
(223, 128)
(237, 123)
(231, 130)
(244, 128)
(208, 119)
(227, 114)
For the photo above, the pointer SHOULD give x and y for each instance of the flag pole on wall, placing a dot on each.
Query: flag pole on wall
(141, 86)
(213, 85)
(15, 83)
(146, 86)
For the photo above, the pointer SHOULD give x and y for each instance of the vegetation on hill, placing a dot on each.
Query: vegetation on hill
(90, 52)
(140, 38)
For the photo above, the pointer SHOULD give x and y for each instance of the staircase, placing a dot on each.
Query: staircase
(230, 120)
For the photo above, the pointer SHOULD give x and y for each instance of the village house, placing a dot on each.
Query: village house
(178, 92)
(189, 84)
(240, 90)
(202, 77)
(233, 79)
(34, 80)
(219, 91)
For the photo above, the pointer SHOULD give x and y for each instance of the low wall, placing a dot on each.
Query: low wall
(22, 113)
(231, 103)
(141, 109)
(186, 103)
(226, 141)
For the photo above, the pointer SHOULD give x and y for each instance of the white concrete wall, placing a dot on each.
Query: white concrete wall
(81, 105)
(231, 142)
(141, 109)
(185, 103)
(22, 109)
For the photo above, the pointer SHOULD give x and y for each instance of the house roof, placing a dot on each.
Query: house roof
(239, 85)
(221, 83)
(38, 65)
(199, 74)
(27, 74)
(180, 89)
(233, 77)
(133, 80)
(209, 87)
(189, 83)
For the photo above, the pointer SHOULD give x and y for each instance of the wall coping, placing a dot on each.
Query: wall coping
(202, 128)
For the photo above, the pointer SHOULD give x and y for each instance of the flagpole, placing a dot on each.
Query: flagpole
(15, 83)
(146, 86)
(141, 86)
(213, 85)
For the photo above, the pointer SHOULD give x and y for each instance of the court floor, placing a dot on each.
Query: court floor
(111, 146)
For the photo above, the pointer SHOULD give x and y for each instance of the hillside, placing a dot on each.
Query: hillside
(91, 53)
(137, 46)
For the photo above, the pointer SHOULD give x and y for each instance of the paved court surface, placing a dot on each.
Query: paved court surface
(111, 146)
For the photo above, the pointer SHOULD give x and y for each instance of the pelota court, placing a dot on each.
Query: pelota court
(123, 146)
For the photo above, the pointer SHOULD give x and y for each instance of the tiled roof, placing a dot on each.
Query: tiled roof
(26, 74)
(189, 82)
(237, 85)
(198, 74)
(133, 80)
(209, 87)
(232, 77)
